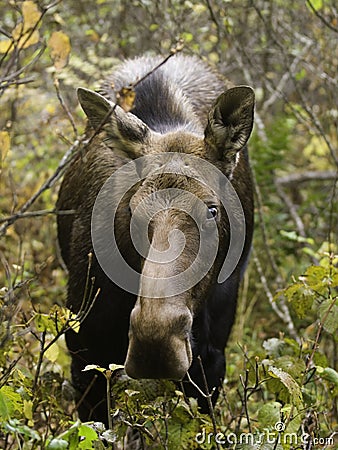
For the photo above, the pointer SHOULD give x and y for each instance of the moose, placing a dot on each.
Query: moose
(184, 120)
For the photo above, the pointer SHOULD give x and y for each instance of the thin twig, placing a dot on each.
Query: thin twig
(325, 22)
(303, 177)
(108, 376)
(208, 397)
(68, 157)
(84, 395)
(282, 311)
(244, 384)
(64, 106)
(319, 332)
(174, 51)
(16, 83)
(292, 210)
(42, 340)
(24, 68)
(259, 201)
(42, 212)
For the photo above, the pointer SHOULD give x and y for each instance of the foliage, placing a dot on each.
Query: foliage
(281, 388)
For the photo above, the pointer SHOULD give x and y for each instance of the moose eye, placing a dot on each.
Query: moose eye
(212, 212)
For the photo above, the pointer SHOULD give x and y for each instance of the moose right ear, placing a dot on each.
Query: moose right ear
(230, 124)
(124, 130)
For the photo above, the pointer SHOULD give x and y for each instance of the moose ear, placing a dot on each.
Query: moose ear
(230, 124)
(124, 130)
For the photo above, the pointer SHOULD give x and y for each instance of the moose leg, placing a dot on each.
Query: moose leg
(211, 331)
(90, 386)
(90, 394)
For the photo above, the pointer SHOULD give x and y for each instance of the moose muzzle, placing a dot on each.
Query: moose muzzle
(159, 339)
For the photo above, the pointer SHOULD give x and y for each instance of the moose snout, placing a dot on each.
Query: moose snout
(159, 341)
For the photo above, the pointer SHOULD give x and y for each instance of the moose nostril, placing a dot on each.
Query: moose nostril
(159, 340)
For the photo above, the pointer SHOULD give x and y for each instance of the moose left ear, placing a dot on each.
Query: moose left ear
(125, 132)
(230, 124)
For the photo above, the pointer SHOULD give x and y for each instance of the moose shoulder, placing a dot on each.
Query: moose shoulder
(183, 145)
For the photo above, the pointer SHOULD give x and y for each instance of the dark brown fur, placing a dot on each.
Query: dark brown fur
(173, 108)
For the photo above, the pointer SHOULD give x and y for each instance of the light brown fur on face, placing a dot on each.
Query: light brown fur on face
(159, 320)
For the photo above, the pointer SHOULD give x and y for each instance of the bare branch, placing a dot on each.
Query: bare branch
(64, 106)
(68, 157)
(43, 212)
(303, 177)
(292, 209)
(178, 48)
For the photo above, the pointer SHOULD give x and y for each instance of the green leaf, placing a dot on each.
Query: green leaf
(269, 414)
(300, 76)
(28, 409)
(187, 37)
(273, 346)
(114, 367)
(89, 436)
(328, 374)
(293, 236)
(14, 426)
(94, 367)
(317, 278)
(316, 4)
(292, 418)
(301, 298)
(72, 320)
(131, 392)
(44, 323)
(57, 444)
(294, 366)
(291, 385)
(5, 407)
(328, 314)
(10, 401)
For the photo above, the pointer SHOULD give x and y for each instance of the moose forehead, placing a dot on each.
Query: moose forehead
(177, 153)
(174, 189)
(178, 142)
(174, 181)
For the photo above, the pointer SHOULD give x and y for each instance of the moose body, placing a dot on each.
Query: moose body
(181, 109)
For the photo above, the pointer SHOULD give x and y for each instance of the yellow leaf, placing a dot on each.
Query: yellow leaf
(59, 45)
(317, 153)
(31, 15)
(72, 320)
(5, 45)
(23, 35)
(126, 98)
(52, 353)
(5, 144)
(27, 38)
(28, 409)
